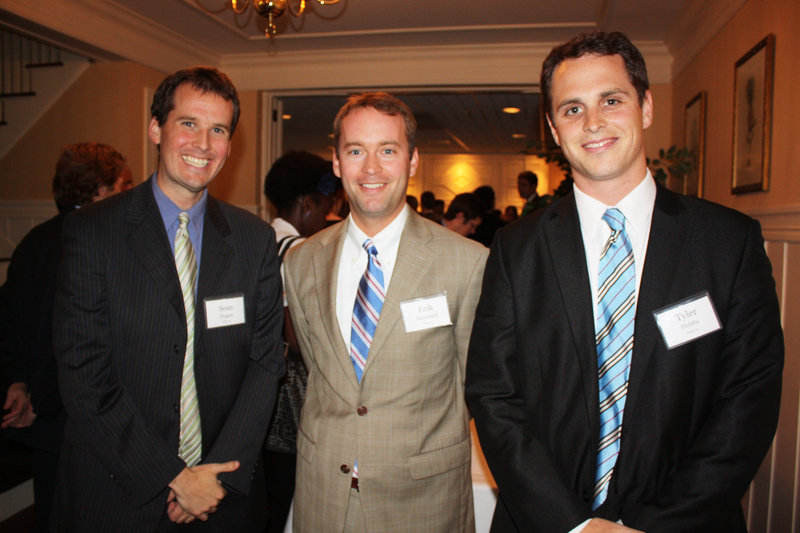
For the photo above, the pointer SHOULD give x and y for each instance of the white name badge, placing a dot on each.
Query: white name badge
(687, 320)
(425, 313)
(225, 311)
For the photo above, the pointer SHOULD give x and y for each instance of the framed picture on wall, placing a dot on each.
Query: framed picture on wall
(694, 137)
(752, 117)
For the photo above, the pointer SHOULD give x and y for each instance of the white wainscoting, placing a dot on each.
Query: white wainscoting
(773, 502)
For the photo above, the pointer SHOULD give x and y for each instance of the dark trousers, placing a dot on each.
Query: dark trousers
(279, 468)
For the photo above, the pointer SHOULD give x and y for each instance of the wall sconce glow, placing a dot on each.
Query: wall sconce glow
(511, 110)
(286, 117)
(518, 135)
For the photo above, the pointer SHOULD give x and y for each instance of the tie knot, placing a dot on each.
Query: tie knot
(615, 219)
(183, 220)
(369, 246)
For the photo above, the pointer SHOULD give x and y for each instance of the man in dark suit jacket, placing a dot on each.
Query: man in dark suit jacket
(85, 173)
(121, 336)
(702, 400)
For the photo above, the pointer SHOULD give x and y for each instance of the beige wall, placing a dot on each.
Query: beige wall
(106, 104)
(110, 103)
(712, 71)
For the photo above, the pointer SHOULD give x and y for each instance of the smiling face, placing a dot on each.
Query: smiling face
(194, 143)
(374, 162)
(599, 124)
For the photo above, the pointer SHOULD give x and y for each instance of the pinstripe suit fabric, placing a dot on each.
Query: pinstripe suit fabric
(120, 336)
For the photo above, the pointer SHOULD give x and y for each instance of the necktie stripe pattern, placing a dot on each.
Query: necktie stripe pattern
(616, 305)
(366, 310)
(190, 441)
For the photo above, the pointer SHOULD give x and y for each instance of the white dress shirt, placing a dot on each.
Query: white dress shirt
(637, 207)
(353, 263)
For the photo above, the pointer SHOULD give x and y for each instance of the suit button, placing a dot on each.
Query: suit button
(345, 469)
(587, 497)
(176, 407)
(362, 410)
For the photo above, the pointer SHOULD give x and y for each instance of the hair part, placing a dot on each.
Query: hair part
(595, 43)
(205, 80)
(80, 171)
(384, 103)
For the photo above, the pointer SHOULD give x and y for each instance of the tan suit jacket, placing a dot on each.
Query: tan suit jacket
(406, 422)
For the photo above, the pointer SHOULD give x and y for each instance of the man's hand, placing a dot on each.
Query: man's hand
(598, 525)
(18, 403)
(197, 491)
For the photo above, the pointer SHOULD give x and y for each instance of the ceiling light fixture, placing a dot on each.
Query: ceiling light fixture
(272, 9)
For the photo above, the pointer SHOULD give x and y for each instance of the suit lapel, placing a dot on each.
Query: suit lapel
(664, 249)
(147, 239)
(413, 262)
(565, 243)
(326, 271)
(215, 261)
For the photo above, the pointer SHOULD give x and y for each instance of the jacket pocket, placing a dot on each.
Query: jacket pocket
(439, 461)
(305, 448)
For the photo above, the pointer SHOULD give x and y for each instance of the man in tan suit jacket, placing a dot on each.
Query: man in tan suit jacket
(391, 451)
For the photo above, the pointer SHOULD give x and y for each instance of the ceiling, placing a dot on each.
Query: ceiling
(460, 121)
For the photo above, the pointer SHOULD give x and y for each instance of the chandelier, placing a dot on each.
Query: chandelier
(272, 9)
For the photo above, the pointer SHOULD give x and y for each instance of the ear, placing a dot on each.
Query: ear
(461, 218)
(306, 205)
(647, 110)
(553, 129)
(336, 170)
(154, 131)
(414, 163)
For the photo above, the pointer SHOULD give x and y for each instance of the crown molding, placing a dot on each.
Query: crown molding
(699, 22)
(417, 66)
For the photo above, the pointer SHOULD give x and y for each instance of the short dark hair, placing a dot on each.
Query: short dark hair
(529, 176)
(600, 44)
(427, 200)
(205, 80)
(80, 171)
(486, 195)
(386, 104)
(295, 175)
(467, 203)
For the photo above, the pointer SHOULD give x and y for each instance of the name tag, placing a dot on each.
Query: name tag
(224, 311)
(687, 320)
(425, 313)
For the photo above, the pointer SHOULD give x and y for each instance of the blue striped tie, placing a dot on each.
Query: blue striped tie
(367, 309)
(616, 306)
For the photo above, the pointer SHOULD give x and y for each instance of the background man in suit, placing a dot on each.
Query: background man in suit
(686, 343)
(167, 400)
(527, 182)
(384, 442)
(464, 214)
(85, 173)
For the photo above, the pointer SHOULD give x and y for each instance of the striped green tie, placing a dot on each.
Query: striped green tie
(190, 444)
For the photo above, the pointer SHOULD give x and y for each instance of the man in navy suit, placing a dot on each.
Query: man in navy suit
(127, 353)
(699, 380)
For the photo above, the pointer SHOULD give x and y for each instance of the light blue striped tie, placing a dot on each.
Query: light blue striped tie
(367, 309)
(190, 440)
(616, 306)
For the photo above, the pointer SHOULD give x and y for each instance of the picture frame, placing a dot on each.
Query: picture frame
(752, 117)
(694, 137)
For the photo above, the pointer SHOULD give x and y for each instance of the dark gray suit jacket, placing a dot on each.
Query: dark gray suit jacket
(699, 418)
(120, 337)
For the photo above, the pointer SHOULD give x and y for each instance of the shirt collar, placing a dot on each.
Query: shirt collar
(637, 206)
(385, 240)
(169, 211)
